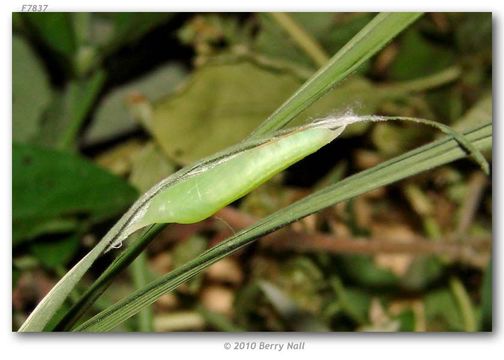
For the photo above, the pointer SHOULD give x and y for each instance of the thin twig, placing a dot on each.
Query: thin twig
(288, 239)
(295, 241)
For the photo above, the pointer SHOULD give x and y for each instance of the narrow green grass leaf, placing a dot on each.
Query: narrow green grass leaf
(49, 305)
(101, 284)
(374, 36)
(139, 272)
(421, 159)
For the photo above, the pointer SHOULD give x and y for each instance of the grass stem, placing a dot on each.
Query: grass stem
(302, 38)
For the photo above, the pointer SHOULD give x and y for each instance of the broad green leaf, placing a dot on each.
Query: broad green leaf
(32, 227)
(49, 185)
(31, 92)
(413, 162)
(113, 115)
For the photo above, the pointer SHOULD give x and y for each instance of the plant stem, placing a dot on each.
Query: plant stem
(303, 39)
(80, 97)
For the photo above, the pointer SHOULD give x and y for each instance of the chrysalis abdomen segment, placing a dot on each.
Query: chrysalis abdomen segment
(203, 194)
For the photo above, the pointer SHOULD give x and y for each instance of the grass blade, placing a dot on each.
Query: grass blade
(413, 162)
(101, 284)
(45, 310)
(140, 275)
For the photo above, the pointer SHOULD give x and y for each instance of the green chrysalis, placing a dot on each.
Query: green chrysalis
(213, 184)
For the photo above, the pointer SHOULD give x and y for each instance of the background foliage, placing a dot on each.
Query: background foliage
(105, 105)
